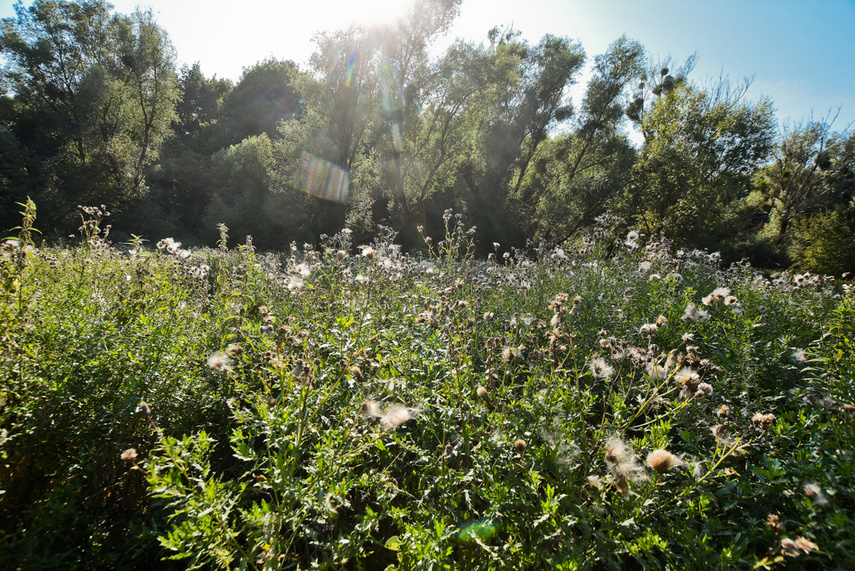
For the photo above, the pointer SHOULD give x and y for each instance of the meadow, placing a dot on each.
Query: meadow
(620, 404)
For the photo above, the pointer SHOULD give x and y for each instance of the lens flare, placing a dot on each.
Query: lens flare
(351, 66)
(324, 179)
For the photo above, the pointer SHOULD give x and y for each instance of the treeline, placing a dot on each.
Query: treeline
(380, 132)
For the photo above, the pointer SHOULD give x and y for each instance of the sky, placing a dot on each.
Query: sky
(800, 54)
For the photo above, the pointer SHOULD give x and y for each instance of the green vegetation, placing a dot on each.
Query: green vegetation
(385, 130)
(620, 405)
(470, 324)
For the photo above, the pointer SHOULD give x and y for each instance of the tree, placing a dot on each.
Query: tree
(266, 94)
(811, 169)
(200, 100)
(576, 175)
(701, 147)
(521, 99)
(95, 96)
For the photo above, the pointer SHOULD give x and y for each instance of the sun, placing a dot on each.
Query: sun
(377, 12)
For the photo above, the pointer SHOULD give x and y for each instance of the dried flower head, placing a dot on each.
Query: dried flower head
(396, 415)
(774, 523)
(704, 390)
(661, 460)
(649, 328)
(796, 547)
(129, 455)
(814, 492)
(370, 411)
(764, 421)
(520, 446)
(484, 395)
(600, 369)
(622, 460)
(220, 362)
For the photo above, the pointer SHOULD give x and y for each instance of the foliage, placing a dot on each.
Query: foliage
(362, 407)
(94, 95)
(701, 147)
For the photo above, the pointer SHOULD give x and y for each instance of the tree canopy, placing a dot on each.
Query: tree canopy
(383, 129)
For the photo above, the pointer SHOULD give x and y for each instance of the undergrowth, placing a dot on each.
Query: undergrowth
(352, 406)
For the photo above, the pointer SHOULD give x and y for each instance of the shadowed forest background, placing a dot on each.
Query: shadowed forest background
(95, 112)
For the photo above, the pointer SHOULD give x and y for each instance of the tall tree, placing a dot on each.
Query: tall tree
(810, 170)
(523, 97)
(95, 94)
(701, 147)
(576, 175)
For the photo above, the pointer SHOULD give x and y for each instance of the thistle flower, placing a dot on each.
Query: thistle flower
(600, 369)
(794, 548)
(814, 492)
(661, 460)
(649, 328)
(485, 396)
(774, 523)
(687, 376)
(694, 314)
(656, 371)
(622, 461)
(220, 362)
(704, 390)
(370, 411)
(395, 416)
(764, 421)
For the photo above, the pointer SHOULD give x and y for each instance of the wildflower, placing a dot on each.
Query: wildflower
(594, 481)
(368, 252)
(397, 415)
(362, 279)
(687, 376)
(722, 410)
(600, 369)
(233, 350)
(622, 461)
(661, 460)
(129, 455)
(370, 410)
(295, 283)
(720, 293)
(814, 492)
(774, 523)
(661, 320)
(800, 355)
(220, 362)
(304, 270)
(485, 396)
(730, 300)
(520, 446)
(764, 421)
(649, 328)
(704, 390)
(794, 548)
(654, 277)
(656, 371)
(694, 314)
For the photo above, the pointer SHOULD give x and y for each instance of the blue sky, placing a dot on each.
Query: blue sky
(800, 54)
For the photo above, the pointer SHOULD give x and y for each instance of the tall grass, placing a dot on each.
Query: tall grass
(352, 406)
